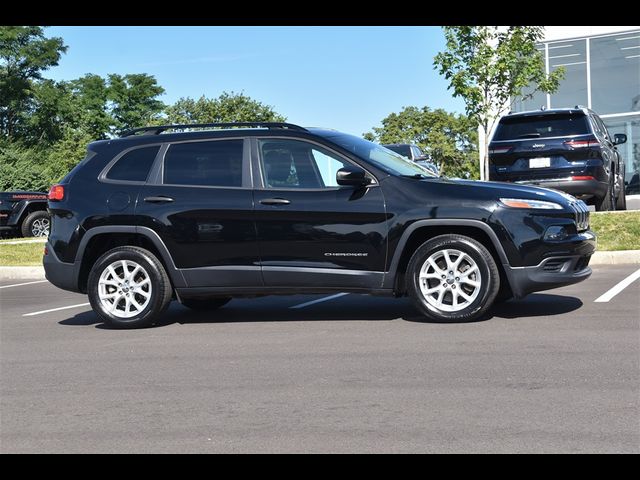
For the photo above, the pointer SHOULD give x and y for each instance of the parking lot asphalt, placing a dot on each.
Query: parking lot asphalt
(555, 372)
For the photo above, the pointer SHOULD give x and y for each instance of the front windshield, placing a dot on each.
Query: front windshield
(383, 158)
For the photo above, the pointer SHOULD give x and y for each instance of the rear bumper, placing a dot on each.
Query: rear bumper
(62, 275)
(577, 188)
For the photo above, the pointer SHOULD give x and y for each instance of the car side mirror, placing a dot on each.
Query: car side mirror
(352, 176)
(619, 139)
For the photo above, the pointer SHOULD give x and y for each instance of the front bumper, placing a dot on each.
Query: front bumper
(62, 275)
(551, 273)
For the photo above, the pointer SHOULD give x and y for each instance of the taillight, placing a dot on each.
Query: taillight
(582, 143)
(582, 177)
(500, 149)
(56, 193)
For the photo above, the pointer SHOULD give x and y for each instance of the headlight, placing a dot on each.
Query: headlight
(525, 203)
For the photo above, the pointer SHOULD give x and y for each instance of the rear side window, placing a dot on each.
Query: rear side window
(513, 128)
(210, 164)
(134, 165)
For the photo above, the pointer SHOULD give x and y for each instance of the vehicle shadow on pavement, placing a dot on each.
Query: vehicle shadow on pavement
(536, 305)
(358, 309)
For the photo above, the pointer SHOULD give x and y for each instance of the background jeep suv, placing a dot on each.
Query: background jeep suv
(24, 213)
(568, 149)
(273, 208)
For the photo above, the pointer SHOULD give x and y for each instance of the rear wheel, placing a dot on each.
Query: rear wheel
(129, 288)
(453, 278)
(621, 202)
(205, 303)
(36, 224)
(608, 202)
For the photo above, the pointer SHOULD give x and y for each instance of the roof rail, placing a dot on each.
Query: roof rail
(578, 107)
(156, 130)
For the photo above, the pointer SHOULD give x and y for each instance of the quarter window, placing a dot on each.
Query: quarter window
(134, 165)
(211, 164)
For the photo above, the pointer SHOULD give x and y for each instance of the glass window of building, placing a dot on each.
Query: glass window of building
(629, 151)
(615, 73)
(572, 55)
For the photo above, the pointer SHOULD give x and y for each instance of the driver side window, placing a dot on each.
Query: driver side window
(298, 164)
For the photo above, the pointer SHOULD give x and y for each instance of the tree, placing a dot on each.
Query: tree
(450, 140)
(490, 66)
(90, 96)
(132, 100)
(24, 54)
(228, 107)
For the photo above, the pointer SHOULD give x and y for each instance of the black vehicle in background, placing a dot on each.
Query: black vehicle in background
(567, 149)
(24, 213)
(250, 209)
(413, 152)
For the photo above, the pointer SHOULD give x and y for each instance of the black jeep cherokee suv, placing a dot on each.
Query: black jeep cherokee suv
(568, 149)
(234, 210)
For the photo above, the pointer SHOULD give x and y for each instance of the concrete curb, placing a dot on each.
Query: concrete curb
(599, 258)
(21, 273)
(616, 258)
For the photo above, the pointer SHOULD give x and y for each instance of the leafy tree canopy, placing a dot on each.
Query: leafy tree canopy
(228, 107)
(489, 67)
(24, 54)
(450, 140)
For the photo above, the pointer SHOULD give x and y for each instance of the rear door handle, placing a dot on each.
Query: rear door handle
(158, 199)
(275, 201)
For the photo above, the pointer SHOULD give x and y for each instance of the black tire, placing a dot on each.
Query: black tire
(608, 202)
(205, 303)
(36, 224)
(159, 294)
(488, 278)
(621, 201)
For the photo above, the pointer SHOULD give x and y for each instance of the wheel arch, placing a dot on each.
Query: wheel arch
(26, 209)
(99, 240)
(423, 230)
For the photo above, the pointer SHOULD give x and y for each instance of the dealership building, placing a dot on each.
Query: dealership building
(602, 72)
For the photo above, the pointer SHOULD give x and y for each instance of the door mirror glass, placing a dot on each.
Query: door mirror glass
(353, 176)
(619, 139)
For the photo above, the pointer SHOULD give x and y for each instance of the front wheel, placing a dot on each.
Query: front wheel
(453, 278)
(129, 288)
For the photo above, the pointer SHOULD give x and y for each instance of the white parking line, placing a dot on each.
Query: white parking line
(55, 309)
(324, 299)
(20, 284)
(618, 288)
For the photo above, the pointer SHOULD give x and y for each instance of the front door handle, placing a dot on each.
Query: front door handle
(275, 201)
(158, 199)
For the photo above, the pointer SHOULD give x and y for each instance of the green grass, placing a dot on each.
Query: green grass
(617, 230)
(26, 254)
